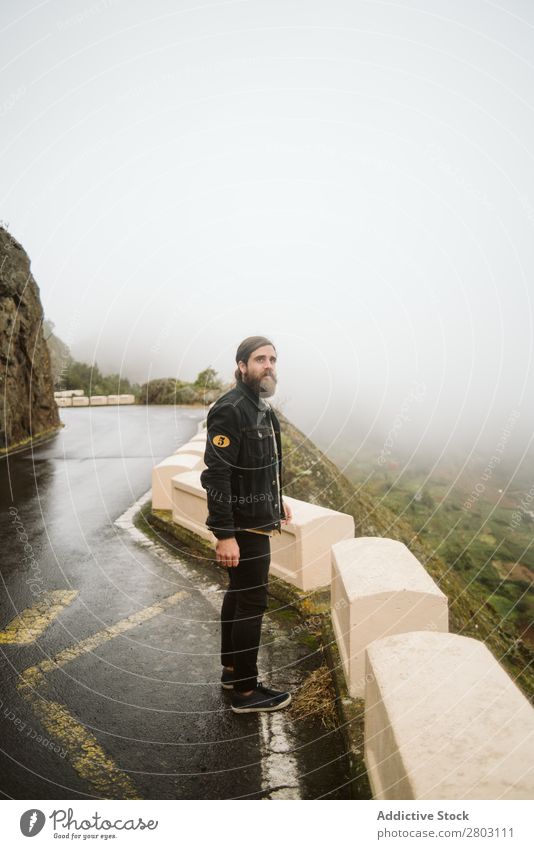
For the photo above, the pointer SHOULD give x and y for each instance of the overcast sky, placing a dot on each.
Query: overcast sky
(353, 179)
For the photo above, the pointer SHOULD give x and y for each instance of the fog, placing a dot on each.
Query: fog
(352, 179)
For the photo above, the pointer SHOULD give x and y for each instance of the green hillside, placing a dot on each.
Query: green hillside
(311, 476)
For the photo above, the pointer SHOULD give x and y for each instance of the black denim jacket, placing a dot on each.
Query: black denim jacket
(243, 478)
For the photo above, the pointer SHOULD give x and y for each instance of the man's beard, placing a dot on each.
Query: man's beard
(264, 386)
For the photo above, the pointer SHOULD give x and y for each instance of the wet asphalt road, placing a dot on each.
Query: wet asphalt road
(138, 712)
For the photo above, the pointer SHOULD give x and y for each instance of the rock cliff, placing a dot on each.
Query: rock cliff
(27, 407)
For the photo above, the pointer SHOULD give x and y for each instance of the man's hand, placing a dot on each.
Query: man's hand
(287, 511)
(227, 552)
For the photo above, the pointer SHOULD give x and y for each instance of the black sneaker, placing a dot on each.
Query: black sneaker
(262, 698)
(227, 679)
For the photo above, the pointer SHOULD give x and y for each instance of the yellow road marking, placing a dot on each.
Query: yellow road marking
(85, 753)
(32, 621)
(100, 637)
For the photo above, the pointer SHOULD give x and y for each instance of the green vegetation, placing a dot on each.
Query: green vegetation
(208, 379)
(69, 373)
(78, 375)
(476, 557)
(205, 389)
(477, 538)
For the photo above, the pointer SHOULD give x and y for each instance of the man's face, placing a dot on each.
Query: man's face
(260, 371)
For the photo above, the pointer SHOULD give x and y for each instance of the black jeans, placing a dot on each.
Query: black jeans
(243, 607)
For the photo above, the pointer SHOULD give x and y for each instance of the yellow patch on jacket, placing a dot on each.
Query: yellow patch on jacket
(221, 441)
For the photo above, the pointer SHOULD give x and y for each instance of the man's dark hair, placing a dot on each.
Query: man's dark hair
(246, 348)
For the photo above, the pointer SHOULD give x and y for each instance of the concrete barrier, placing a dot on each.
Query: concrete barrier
(163, 473)
(300, 555)
(80, 400)
(200, 436)
(379, 588)
(196, 447)
(121, 399)
(443, 720)
(189, 508)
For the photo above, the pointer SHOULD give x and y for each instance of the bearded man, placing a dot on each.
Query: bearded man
(243, 482)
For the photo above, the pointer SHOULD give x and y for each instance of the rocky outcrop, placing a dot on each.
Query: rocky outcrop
(27, 407)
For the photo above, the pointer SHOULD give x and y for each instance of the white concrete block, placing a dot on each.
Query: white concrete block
(126, 399)
(189, 505)
(113, 399)
(163, 473)
(300, 555)
(196, 447)
(443, 720)
(98, 400)
(80, 401)
(64, 402)
(379, 588)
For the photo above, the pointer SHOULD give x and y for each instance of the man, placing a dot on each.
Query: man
(243, 481)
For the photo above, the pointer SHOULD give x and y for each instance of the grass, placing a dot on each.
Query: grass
(316, 697)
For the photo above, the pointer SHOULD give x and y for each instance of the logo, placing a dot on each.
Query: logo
(221, 441)
(31, 822)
